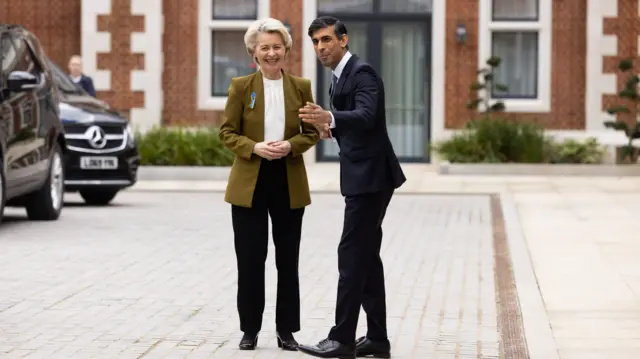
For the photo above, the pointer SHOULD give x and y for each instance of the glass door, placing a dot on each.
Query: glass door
(404, 72)
(328, 149)
(394, 37)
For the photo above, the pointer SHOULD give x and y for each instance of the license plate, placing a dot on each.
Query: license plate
(99, 163)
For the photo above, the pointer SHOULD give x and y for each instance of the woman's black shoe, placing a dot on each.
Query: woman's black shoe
(287, 342)
(248, 342)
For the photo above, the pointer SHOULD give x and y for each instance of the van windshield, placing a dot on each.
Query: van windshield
(63, 81)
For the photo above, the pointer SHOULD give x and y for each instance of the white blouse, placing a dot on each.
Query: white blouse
(273, 110)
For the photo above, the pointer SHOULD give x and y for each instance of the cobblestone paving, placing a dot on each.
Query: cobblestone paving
(153, 276)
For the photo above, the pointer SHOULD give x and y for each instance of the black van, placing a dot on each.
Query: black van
(102, 157)
(32, 142)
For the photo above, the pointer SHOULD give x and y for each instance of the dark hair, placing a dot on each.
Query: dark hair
(324, 22)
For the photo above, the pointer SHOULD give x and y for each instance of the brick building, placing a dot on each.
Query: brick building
(170, 61)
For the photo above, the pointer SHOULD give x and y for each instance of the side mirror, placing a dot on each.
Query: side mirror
(20, 81)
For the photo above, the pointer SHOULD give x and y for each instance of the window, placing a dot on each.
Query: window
(519, 32)
(510, 10)
(234, 9)
(519, 67)
(340, 6)
(229, 59)
(222, 54)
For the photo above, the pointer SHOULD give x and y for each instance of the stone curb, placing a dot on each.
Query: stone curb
(503, 169)
(221, 173)
(183, 173)
(535, 319)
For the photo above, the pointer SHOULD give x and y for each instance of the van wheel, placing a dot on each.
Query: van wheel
(97, 197)
(46, 204)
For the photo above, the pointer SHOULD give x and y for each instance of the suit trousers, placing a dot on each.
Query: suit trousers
(251, 237)
(361, 281)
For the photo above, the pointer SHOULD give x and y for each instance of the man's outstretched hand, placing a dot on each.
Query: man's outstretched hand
(315, 115)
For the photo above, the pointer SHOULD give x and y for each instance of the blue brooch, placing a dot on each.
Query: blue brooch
(253, 100)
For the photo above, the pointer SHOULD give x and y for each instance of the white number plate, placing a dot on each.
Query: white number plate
(99, 163)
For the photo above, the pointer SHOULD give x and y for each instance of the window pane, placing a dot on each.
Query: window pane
(519, 67)
(229, 60)
(404, 66)
(63, 81)
(358, 46)
(24, 59)
(340, 6)
(406, 6)
(235, 9)
(8, 54)
(515, 9)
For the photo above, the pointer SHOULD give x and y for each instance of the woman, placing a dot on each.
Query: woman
(268, 177)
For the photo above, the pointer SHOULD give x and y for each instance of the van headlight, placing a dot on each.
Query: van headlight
(131, 140)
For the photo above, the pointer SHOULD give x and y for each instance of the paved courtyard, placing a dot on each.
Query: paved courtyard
(153, 276)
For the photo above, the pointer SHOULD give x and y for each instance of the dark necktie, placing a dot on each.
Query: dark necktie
(334, 82)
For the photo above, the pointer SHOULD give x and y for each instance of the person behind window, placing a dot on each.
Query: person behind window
(268, 178)
(84, 81)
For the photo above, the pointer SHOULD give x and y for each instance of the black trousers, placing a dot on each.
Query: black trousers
(361, 281)
(251, 237)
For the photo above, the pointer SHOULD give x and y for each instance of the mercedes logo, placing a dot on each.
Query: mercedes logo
(96, 137)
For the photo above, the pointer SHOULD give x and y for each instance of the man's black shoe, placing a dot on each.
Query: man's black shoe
(328, 348)
(368, 348)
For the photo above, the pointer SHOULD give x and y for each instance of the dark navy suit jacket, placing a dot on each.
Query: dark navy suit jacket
(87, 84)
(368, 163)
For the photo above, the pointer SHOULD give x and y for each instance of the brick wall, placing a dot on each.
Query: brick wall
(568, 65)
(181, 58)
(291, 11)
(120, 23)
(56, 23)
(180, 43)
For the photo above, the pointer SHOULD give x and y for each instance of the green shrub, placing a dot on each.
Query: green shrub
(573, 151)
(627, 117)
(166, 146)
(495, 141)
(503, 141)
(462, 147)
(509, 141)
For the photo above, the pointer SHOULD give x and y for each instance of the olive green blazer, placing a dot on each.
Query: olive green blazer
(243, 127)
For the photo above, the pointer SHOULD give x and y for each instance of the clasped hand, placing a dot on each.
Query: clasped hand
(272, 150)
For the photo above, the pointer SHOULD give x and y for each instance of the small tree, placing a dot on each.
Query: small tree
(486, 85)
(627, 112)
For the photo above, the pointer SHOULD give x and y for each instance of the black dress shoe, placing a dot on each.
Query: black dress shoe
(328, 348)
(248, 342)
(366, 347)
(287, 342)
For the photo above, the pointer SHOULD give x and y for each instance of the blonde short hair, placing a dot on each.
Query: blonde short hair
(263, 26)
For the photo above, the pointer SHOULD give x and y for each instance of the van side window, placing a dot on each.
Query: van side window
(24, 59)
(9, 54)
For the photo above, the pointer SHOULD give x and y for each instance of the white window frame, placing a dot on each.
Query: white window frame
(205, 26)
(544, 28)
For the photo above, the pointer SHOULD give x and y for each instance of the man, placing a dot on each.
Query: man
(369, 174)
(75, 71)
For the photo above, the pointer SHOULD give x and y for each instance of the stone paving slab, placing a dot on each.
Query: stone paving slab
(153, 276)
(579, 234)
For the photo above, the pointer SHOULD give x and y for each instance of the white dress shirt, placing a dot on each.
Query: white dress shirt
(273, 109)
(337, 72)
